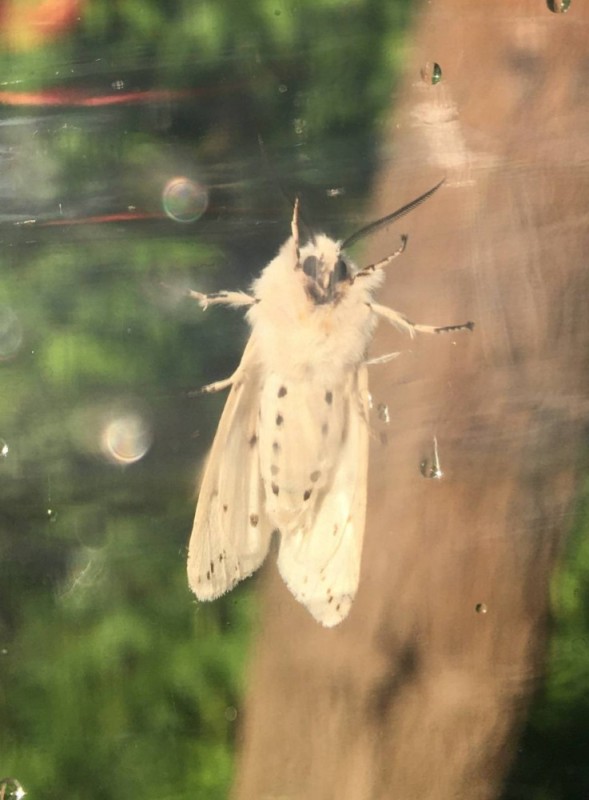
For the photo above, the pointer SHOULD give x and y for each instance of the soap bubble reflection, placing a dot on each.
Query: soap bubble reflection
(184, 200)
(126, 438)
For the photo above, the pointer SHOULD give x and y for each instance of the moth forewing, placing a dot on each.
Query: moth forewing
(231, 532)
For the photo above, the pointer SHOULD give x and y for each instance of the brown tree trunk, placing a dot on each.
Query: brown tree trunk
(420, 693)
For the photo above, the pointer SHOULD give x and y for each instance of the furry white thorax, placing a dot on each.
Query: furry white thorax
(296, 337)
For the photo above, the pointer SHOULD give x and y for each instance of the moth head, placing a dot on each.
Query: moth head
(327, 273)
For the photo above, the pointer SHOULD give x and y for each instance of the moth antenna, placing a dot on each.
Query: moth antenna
(400, 212)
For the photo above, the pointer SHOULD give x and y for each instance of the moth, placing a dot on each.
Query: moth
(290, 456)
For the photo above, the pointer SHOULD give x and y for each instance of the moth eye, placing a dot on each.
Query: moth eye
(310, 266)
(340, 272)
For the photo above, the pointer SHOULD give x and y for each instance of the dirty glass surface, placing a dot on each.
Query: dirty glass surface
(151, 147)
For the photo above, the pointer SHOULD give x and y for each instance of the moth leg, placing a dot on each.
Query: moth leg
(294, 226)
(218, 386)
(404, 324)
(222, 299)
(384, 359)
(384, 262)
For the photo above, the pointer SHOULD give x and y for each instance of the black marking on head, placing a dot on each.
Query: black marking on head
(275, 488)
(307, 494)
(310, 267)
(339, 605)
(282, 391)
(208, 576)
(276, 447)
(315, 475)
(341, 271)
(330, 599)
(212, 568)
(221, 557)
(274, 470)
(253, 440)
(329, 397)
(279, 419)
(254, 519)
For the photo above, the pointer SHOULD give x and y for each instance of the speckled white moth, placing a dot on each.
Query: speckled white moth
(291, 452)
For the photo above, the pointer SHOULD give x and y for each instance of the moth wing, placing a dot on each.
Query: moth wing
(320, 563)
(231, 532)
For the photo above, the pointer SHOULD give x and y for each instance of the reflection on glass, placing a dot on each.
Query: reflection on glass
(184, 200)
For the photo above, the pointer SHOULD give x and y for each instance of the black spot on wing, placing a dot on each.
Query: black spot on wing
(315, 475)
(282, 391)
(275, 488)
(307, 494)
(253, 440)
(329, 397)
(279, 419)
(254, 519)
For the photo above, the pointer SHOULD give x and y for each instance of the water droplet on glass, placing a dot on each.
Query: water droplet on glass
(184, 200)
(335, 192)
(383, 413)
(430, 467)
(480, 608)
(126, 438)
(118, 85)
(11, 789)
(431, 73)
(10, 333)
(52, 515)
(282, 88)
(230, 713)
(4, 449)
(559, 6)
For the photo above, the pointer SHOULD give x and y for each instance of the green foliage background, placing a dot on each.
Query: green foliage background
(112, 680)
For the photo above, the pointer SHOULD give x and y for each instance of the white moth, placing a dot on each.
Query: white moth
(291, 452)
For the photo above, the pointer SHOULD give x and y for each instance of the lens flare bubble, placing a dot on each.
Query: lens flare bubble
(126, 438)
(184, 200)
(11, 335)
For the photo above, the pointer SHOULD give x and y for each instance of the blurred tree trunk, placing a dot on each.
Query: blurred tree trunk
(422, 691)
